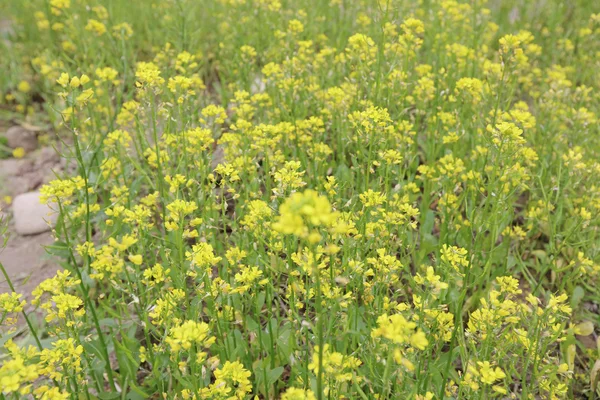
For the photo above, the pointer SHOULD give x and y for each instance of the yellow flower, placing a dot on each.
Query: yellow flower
(24, 87)
(107, 74)
(155, 275)
(202, 256)
(454, 256)
(489, 374)
(47, 393)
(148, 73)
(16, 373)
(95, 26)
(371, 198)
(335, 365)
(63, 80)
(298, 394)
(19, 152)
(75, 82)
(216, 112)
(188, 334)
(136, 259)
(398, 330)
(122, 30)
(231, 382)
(302, 210)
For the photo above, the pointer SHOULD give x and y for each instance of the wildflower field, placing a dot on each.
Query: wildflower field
(313, 199)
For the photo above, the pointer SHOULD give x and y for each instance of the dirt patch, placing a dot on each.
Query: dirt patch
(24, 257)
(19, 176)
(26, 262)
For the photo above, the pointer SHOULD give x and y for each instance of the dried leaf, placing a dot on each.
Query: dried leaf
(594, 375)
(585, 328)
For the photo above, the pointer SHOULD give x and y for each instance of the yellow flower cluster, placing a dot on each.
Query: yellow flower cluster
(267, 199)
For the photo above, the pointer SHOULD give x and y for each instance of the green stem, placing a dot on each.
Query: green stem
(29, 324)
(91, 306)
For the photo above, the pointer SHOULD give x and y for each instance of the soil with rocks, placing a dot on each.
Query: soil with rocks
(29, 222)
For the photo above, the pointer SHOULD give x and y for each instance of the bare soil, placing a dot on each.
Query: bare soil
(24, 257)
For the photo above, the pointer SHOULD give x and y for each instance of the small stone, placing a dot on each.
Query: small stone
(46, 156)
(15, 167)
(17, 185)
(30, 216)
(218, 157)
(258, 86)
(17, 136)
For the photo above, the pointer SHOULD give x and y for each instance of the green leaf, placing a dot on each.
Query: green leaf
(274, 374)
(343, 173)
(261, 300)
(577, 296)
(108, 396)
(128, 365)
(108, 322)
(283, 342)
(137, 393)
(251, 324)
(135, 396)
(58, 249)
